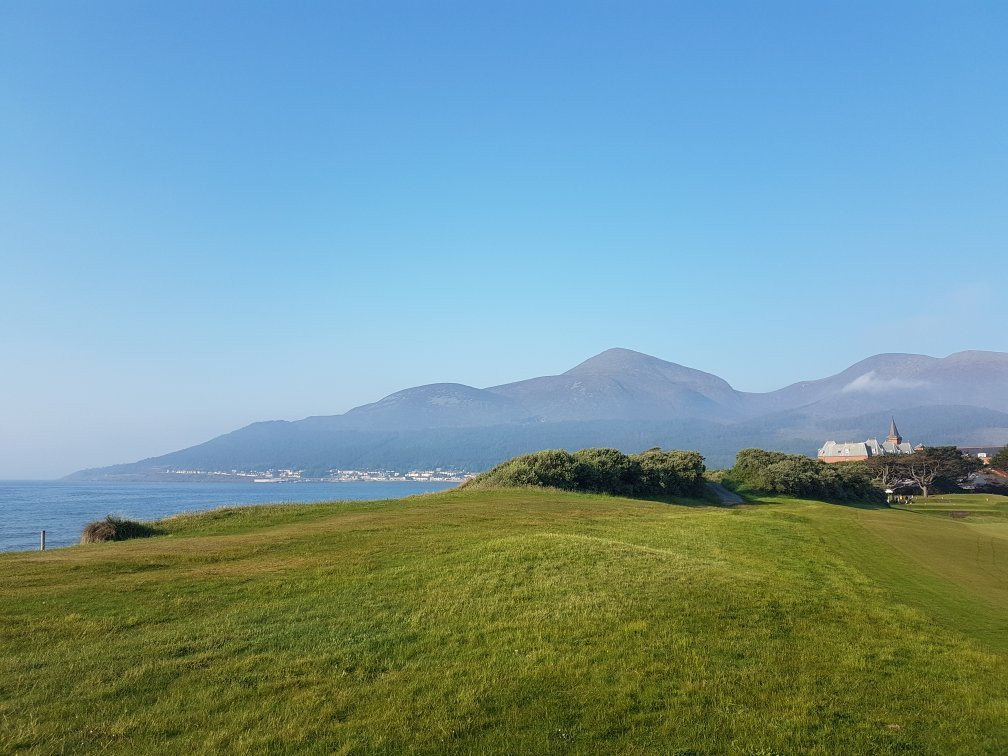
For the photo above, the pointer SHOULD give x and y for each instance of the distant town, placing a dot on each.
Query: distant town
(437, 475)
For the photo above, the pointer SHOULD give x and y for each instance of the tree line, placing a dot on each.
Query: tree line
(658, 474)
(934, 468)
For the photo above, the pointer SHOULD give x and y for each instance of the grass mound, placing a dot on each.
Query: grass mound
(114, 528)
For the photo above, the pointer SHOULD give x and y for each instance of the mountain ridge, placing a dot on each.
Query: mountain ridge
(618, 397)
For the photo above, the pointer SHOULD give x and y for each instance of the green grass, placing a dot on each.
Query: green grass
(972, 507)
(514, 621)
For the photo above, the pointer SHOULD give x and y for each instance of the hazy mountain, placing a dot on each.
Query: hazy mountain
(893, 381)
(436, 405)
(623, 384)
(628, 400)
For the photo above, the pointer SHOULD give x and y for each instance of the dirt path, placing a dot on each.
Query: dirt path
(724, 495)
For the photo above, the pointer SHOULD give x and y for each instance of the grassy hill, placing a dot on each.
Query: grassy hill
(515, 621)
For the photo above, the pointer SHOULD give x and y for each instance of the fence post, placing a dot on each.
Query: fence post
(42, 541)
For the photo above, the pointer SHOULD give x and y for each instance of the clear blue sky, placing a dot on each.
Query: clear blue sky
(215, 213)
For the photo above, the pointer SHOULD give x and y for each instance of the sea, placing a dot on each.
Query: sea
(63, 508)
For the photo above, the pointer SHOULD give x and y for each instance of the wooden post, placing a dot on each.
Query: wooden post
(42, 541)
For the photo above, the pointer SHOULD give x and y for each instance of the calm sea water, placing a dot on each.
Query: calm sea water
(62, 509)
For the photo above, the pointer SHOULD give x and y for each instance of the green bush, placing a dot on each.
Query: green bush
(114, 528)
(606, 471)
(670, 473)
(654, 473)
(798, 475)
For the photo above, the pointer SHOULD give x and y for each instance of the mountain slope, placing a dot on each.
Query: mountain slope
(898, 380)
(624, 399)
(623, 384)
(436, 405)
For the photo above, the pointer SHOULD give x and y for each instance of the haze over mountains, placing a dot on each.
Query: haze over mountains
(624, 399)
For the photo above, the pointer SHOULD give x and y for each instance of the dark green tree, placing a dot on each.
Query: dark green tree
(1000, 460)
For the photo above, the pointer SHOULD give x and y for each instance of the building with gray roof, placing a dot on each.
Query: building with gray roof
(852, 451)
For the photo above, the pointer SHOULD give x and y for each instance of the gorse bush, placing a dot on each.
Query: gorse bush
(798, 475)
(671, 472)
(115, 529)
(609, 471)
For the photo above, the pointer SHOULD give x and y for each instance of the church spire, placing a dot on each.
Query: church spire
(894, 434)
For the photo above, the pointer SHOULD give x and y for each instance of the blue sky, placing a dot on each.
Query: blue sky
(212, 214)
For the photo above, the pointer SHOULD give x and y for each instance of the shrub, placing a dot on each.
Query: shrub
(115, 529)
(750, 462)
(798, 475)
(608, 471)
(670, 473)
(553, 468)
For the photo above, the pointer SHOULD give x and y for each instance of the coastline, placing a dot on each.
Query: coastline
(62, 508)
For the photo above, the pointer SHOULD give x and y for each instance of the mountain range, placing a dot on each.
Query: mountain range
(624, 399)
